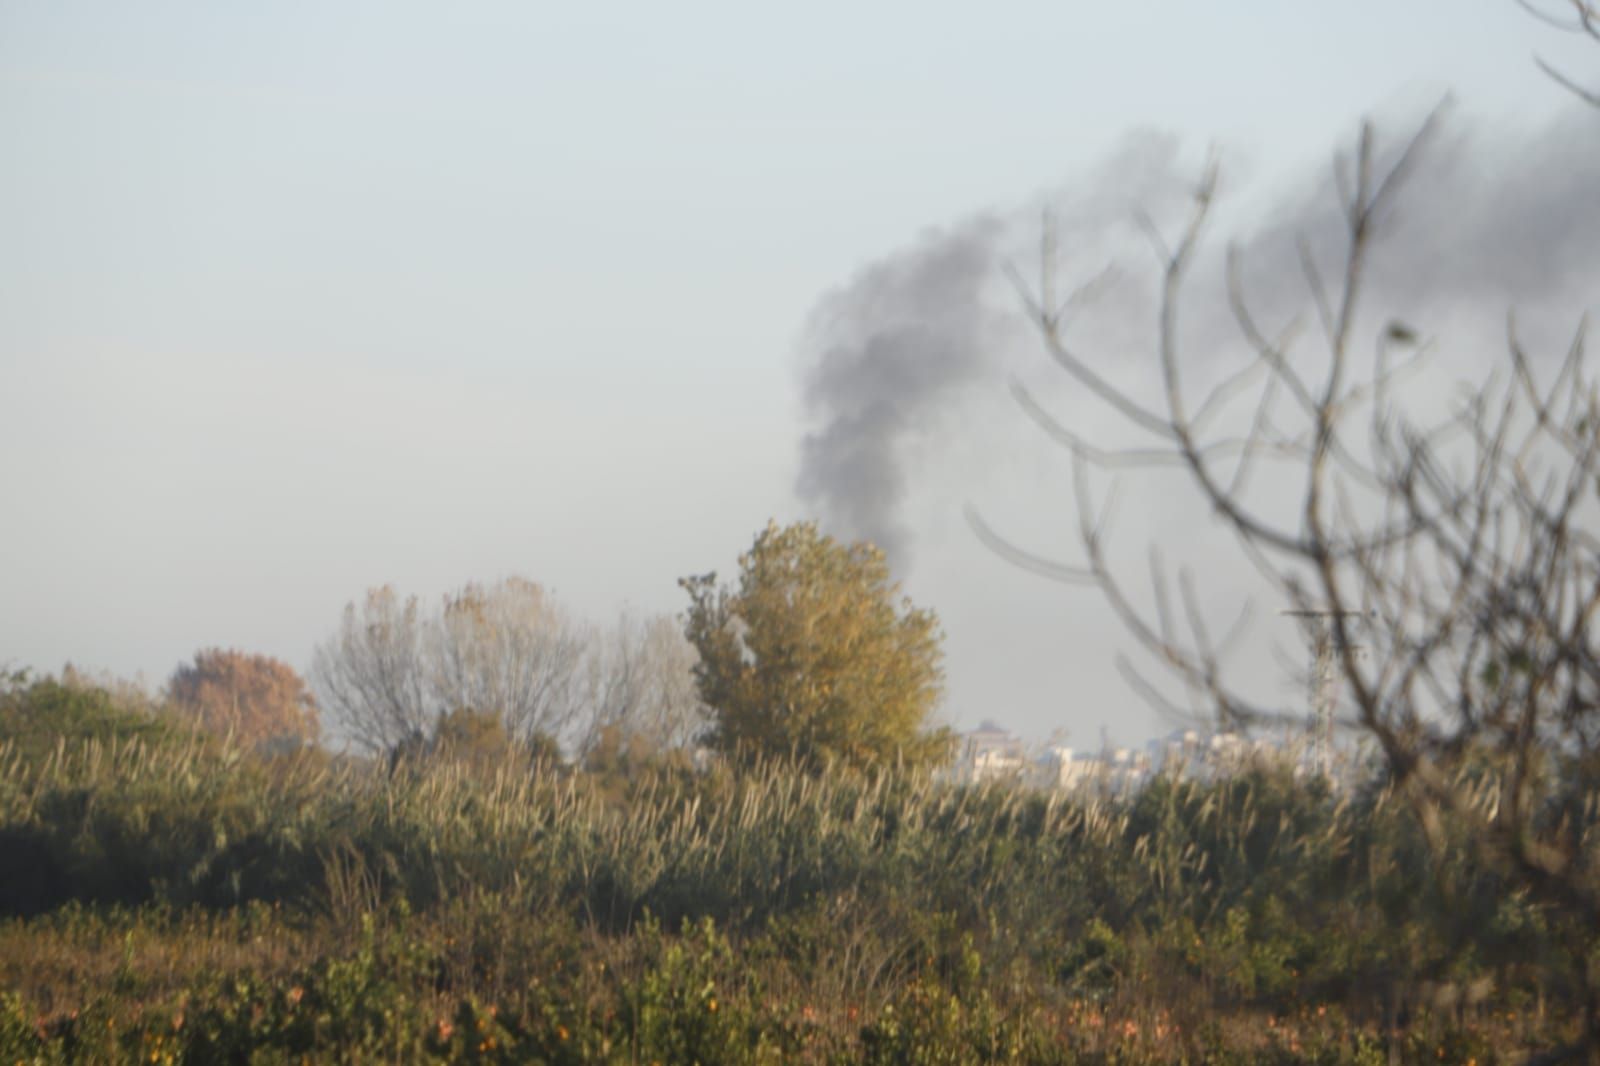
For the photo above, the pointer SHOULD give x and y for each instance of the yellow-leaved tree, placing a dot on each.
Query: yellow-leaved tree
(815, 656)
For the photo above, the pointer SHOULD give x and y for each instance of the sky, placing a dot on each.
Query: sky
(304, 298)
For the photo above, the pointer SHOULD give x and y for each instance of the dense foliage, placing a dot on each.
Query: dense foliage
(181, 902)
(811, 657)
(254, 698)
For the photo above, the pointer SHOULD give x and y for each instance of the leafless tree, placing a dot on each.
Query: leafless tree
(640, 687)
(1464, 547)
(511, 650)
(372, 677)
(1578, 17)
(506, 649)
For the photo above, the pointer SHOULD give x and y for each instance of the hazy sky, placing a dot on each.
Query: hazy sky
(302, 298)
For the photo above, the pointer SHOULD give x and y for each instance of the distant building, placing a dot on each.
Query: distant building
(991, 753)
(1189, 753)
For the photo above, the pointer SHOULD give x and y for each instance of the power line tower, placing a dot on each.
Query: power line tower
(1323, 694)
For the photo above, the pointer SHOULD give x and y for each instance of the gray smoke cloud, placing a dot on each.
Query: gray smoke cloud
(885, 353)
(1491, 219)
(887, 357)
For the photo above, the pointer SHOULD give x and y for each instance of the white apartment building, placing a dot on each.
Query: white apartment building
(991, 753)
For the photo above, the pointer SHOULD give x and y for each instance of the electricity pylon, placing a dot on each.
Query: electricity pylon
(1323, 693)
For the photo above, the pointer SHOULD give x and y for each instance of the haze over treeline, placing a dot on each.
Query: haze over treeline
(296, 320)
(576, 471)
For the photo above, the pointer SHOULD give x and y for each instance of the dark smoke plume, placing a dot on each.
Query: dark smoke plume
(888, 357)
(885, 353)
(1490, 221)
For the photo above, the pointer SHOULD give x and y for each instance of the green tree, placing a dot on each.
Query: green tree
(38, 714)
(814, 655)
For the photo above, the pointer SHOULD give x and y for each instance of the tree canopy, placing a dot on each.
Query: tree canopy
(507, 650)
(396, 671)
(256, 698)
(815, 655)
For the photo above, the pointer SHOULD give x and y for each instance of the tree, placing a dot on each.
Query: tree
(1579, 17)
(255, 698)
(372, 674)
(506, 650)
(510, 650)
(811, 656)
(640, 692)
(1460, 551)
(39, 714)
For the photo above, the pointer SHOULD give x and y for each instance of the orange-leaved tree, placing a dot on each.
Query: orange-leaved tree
(256, 698)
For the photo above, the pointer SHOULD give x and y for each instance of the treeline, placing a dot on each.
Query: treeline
(813, 654)
(396, 672)
(504, 660)
(176, 898)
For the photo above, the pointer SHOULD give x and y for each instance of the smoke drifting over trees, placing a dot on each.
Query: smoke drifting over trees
(1497, 219)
